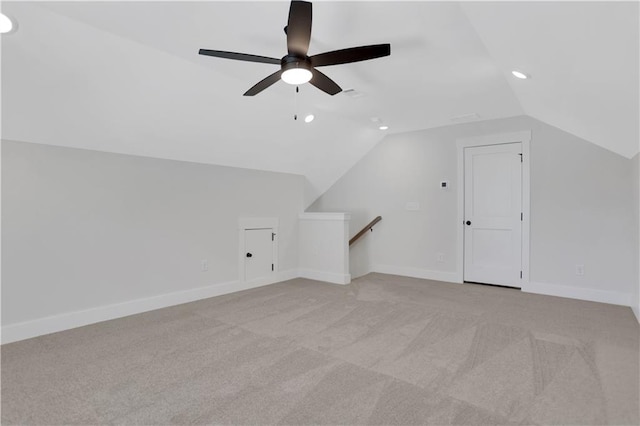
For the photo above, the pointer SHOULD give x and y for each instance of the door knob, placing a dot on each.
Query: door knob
(249, 255)
(468, 222)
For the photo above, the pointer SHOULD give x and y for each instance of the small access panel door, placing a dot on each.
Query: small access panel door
(258, 261)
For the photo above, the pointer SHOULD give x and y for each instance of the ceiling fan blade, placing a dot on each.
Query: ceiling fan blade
(263, 84)
(239, 56)
(324, 83)
(352, 54)
(299, 27)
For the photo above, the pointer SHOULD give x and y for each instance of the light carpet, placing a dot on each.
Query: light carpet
(383, 350)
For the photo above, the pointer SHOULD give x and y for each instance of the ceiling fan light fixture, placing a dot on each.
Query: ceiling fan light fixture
(296, 75)
(383, 127)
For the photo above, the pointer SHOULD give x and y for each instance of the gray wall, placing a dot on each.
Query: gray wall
(581, 211)
(82, 229)
(636, 201)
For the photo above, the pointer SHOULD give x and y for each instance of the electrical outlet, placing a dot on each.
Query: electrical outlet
(204, 265)
(580, 270)
(440, 257)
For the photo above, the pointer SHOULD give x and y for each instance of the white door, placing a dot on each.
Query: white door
(258, 260)
(493, 214)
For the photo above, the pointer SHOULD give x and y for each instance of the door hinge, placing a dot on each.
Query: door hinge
(520, 274)
(520, 216)
(272, 270)
(273, 235)
(520, 157)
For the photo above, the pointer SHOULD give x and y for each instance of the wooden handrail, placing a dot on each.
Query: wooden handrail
(365, 229)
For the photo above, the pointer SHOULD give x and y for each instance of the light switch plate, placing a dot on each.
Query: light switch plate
(412, 206)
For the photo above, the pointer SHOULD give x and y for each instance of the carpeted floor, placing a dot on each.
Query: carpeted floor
(383, 350)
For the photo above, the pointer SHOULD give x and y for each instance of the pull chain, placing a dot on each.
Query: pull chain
(295, 97)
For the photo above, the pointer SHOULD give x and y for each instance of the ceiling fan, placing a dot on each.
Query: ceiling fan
(296, 67)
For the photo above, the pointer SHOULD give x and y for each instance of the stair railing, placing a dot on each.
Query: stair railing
(364, 230)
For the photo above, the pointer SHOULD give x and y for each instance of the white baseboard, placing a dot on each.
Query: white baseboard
(69, 320)
(25, 330)
(602, 296)
(329, 277)
(426, 274)
(276, 277)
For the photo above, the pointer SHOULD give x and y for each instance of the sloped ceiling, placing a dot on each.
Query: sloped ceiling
(126, 77)
(583, 58)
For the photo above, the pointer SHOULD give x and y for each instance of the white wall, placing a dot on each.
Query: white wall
(324, 247)
(635, 304)
(360, 254)
(84, 229)
(581, 212)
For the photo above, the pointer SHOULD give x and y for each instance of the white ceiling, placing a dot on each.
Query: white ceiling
(583, 57)
(126, 77)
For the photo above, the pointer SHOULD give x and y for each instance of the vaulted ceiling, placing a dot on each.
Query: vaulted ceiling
(126, 77)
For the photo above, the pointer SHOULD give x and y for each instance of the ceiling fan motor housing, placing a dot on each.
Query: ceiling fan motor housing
(295, 61)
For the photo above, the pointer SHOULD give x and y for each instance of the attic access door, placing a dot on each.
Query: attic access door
(258, 249)
(493, 214)
(258, 260)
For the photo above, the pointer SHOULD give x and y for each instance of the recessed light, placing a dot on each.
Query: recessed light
(519, 74)
(383, 127)
(309, 118)
(5, 24)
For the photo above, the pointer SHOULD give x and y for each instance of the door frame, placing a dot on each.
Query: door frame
(524, 137)
(245, 223)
